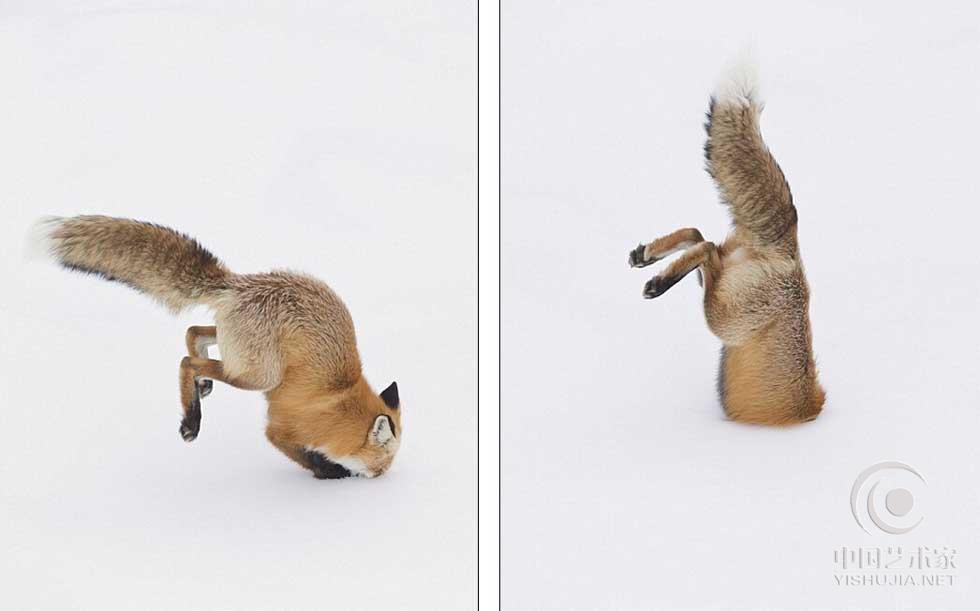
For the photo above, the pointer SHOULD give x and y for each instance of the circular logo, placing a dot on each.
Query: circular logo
(885, 497)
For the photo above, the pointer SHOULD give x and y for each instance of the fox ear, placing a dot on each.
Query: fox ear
(390, 395)
(381, 432)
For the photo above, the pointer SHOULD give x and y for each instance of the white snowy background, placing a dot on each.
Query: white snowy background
(335, 138)
(623, 485)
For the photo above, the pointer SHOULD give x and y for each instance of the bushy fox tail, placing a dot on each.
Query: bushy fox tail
(169, 266)
(749, 179)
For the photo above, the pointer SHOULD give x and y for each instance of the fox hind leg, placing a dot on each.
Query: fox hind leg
(648, 254)
(192, 369)
(198, 340)
(702, 257)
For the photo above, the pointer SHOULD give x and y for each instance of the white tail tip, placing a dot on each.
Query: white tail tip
(39, 244)
(739, 82)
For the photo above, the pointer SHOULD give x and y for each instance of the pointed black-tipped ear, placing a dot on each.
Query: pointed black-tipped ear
(390, 395)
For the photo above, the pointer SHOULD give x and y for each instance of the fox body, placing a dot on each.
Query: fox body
(756, 297)
(283, 333)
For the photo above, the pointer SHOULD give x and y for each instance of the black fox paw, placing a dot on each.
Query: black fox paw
(657, 286)
(638, 258)
(189, 431)
(323, 468)
(204, 387)
(190, 426)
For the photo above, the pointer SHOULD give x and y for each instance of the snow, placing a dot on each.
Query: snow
(335, 138)
(623, 485)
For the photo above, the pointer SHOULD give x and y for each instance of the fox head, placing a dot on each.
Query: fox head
(370, 451)
(357, 434)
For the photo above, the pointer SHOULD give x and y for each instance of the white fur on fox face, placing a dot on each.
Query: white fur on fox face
(354, 465)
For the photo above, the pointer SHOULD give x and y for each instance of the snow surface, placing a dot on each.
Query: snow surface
(335, 138)
(623, 485)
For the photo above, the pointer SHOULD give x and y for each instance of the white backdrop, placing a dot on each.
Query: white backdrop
(337, 139)
(623, 485)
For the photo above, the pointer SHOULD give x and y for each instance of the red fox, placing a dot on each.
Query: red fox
(756, 297)
(283, 333)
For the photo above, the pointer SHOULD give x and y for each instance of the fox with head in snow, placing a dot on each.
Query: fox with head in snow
(756, 297)
(283, 333)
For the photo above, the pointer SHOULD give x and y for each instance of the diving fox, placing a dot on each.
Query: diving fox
(283, 333)
(756, 297)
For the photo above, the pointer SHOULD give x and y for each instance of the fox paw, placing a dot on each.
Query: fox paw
(324, 468)
(638, 257)
(657, 286)
(190, 426)
(204, 387)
